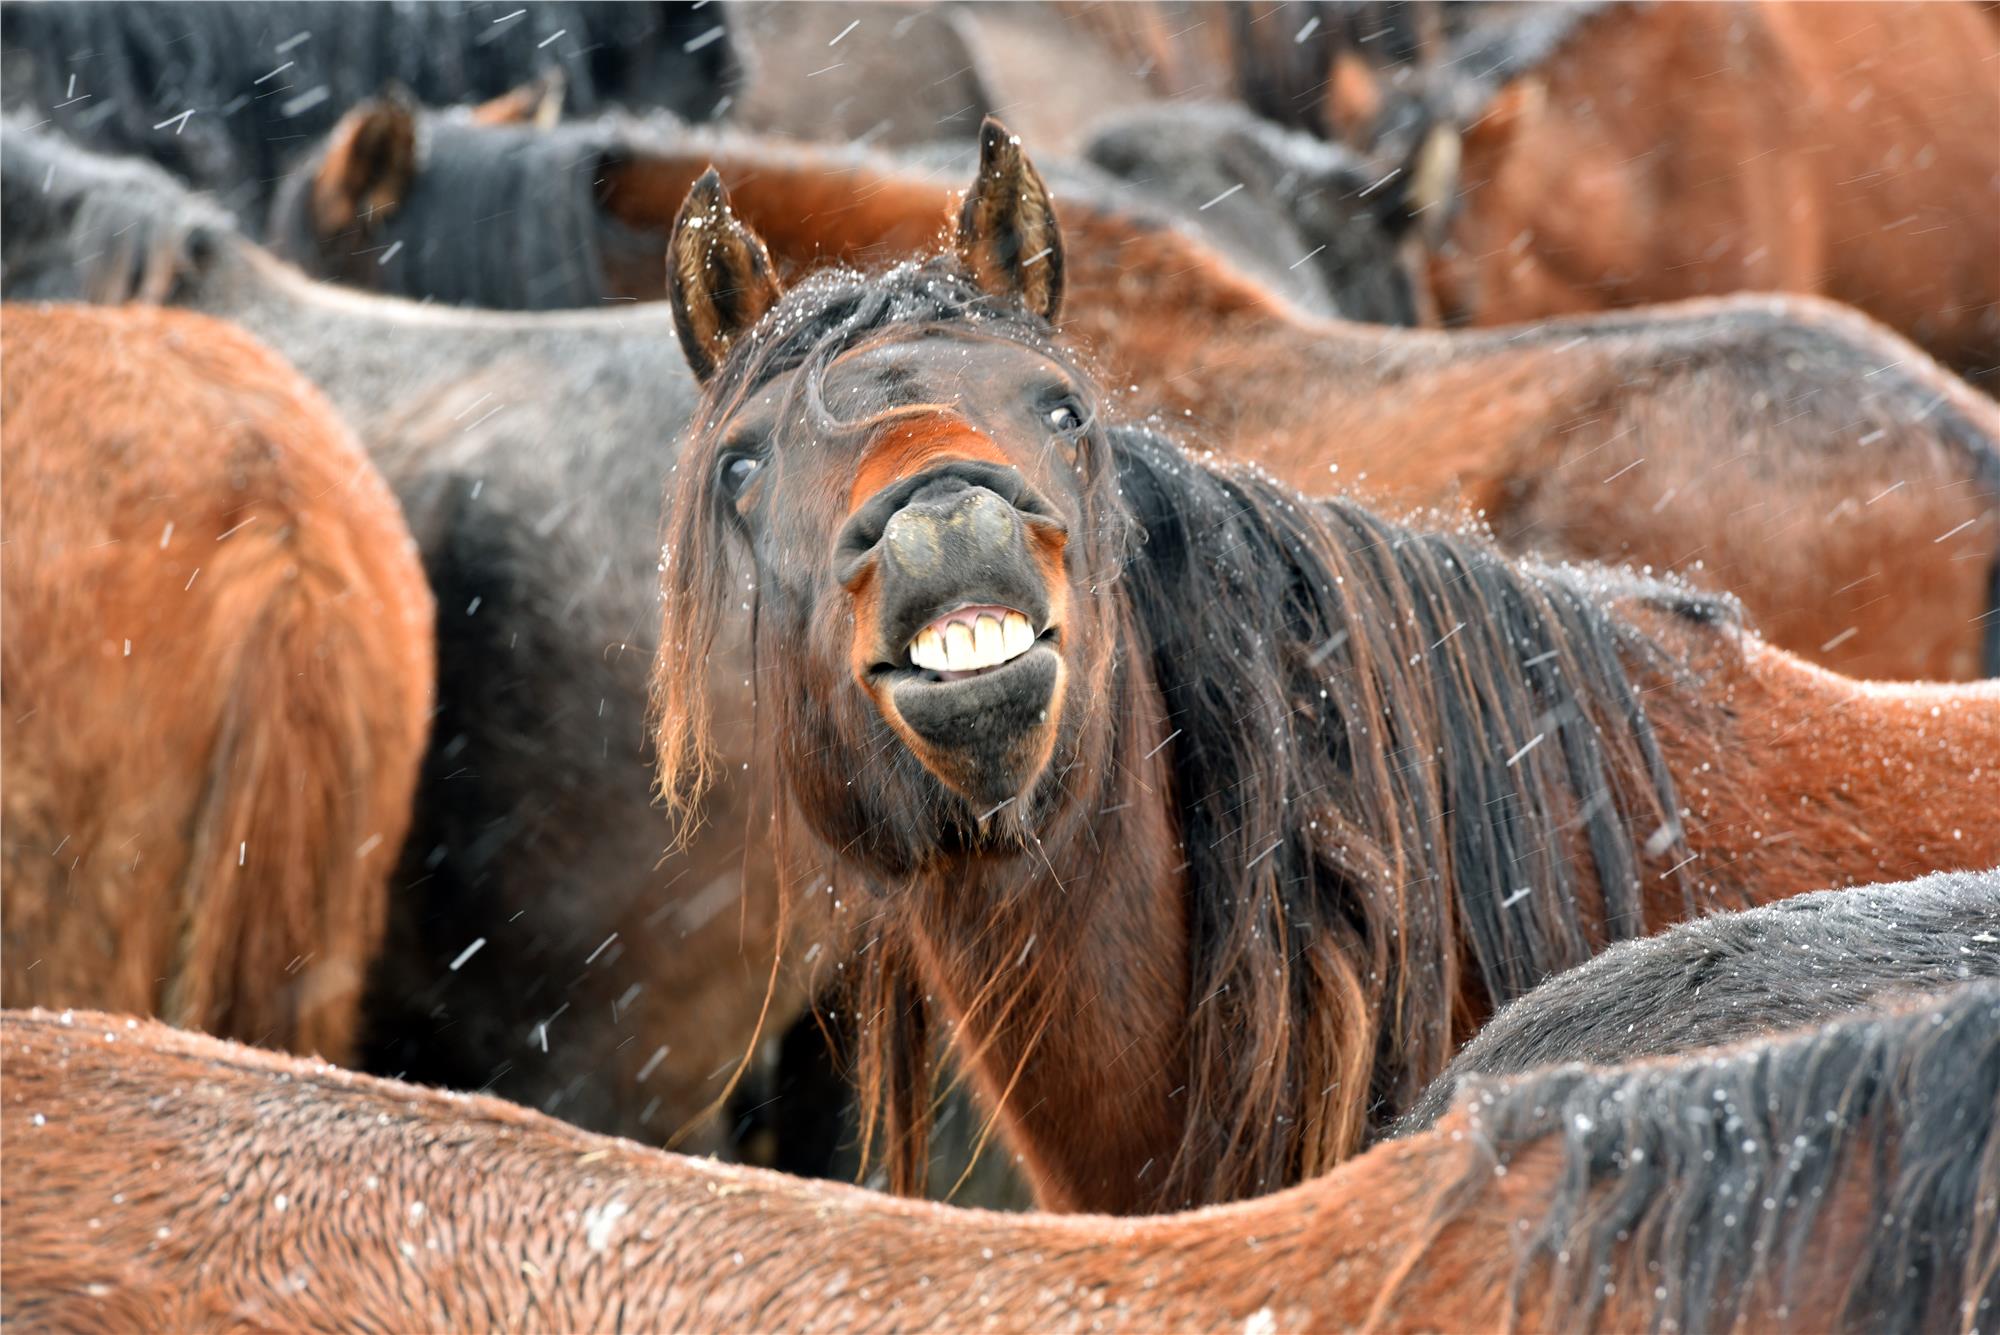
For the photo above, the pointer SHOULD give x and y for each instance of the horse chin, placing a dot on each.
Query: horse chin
(987, 736)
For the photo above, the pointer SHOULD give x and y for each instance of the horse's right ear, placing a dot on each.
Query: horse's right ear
(370, 162)
(720, 280)
(1007, 235)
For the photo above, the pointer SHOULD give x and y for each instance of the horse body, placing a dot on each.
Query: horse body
(1207, 819)
(517, 447)
(1734, 976)
(168, 1178)
(203, 823)
(1780, 448)
(1667, 151)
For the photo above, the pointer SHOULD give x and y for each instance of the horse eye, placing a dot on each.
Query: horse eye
(1067, 418)
(737, 470)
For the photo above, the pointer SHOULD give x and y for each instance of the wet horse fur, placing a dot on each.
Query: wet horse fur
(219, 673)
(162, 1178)
(1733, 976)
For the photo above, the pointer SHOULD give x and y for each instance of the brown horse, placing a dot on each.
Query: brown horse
(156, 1179)
(219, 676)
(1783, 449)
(1645, 153)
(1208, 818)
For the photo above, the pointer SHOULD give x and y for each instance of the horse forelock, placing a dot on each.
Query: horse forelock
(1883, 1117)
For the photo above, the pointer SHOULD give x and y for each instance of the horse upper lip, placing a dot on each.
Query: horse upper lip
(968, 639)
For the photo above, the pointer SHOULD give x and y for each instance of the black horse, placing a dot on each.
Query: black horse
(226, 94)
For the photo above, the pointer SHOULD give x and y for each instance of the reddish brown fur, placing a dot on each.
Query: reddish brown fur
(218, 672)
(1587, 438)
(1676, 150)
(370, 158)
(164, 1180)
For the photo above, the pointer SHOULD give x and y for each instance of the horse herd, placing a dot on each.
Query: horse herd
(1223, 683)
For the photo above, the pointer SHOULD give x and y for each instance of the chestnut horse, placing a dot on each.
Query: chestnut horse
(219, 673)
(165, 1180)
(1207, 818)
(1732, 976)
(1784, 449)
(1649, 152)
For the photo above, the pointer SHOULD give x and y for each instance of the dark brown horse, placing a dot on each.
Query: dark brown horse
(1837, 1179)
(1733, 976)
(1784, 449)
(219, 673)
(1645, 153)
(1206, 819)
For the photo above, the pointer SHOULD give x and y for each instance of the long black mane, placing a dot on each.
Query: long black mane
(1717, 1172)
(1393, 745)
(263, 80)
(1733, 976)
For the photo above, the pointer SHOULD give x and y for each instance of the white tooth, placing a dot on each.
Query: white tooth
(1018, 634)
(986, 642)
(928, 651)
(958, 648)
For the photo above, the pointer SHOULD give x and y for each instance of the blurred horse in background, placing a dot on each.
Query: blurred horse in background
(1587, 157)
(219, 678)
(226, 94)
(540, 946)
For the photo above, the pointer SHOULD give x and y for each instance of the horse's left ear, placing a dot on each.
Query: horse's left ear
(370, 163)
(720, 280)
(1007, 235)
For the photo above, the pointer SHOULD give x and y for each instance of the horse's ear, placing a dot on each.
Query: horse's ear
(1007, 235)
(720, 280)
(370, 162)
(1426, 181)
(538, 102)
(1512, 110)
(1353, 102)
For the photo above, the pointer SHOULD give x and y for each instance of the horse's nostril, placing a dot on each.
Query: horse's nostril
(911, 542)
(989, 522)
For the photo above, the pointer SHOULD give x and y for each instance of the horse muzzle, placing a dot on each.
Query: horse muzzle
(958, 582)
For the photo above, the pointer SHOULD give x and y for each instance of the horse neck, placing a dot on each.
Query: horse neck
(1064, 972)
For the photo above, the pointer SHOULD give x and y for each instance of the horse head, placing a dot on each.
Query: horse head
(914, 465)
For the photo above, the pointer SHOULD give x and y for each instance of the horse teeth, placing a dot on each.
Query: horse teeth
(959, 655)
(987, 645)
(927, 651)
(1017, 634)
